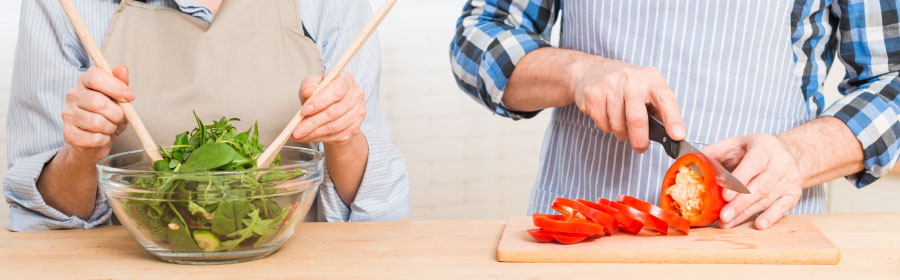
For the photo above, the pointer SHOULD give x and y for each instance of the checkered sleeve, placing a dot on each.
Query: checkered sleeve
(491, 37)
(868, 45)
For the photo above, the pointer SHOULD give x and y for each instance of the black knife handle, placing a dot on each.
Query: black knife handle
(658, 134)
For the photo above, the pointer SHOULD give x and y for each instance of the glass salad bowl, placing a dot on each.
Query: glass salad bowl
(211, 217)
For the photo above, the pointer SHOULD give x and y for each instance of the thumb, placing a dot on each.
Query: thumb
(309, 85)
(728, 152)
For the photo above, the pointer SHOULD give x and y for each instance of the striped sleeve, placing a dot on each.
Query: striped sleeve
(384, 191)
(868, 35)
(48, 62)
(492, 36)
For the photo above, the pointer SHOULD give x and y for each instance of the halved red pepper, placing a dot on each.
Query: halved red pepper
(711, 201)
(648, 220)
(623, 221)
(572, 208)
(669, 217)
(545, 236)
(561, 223)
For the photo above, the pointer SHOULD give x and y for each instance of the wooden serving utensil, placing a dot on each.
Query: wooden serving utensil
(266, 158)
(97, 56)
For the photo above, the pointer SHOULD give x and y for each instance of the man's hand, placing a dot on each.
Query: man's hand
(615, 94)
(334, 114)
(618, 95)
(768, 169)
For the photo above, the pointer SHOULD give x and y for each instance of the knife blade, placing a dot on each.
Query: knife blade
(676, 149)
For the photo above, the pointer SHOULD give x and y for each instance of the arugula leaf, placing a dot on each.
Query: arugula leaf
(241, 235)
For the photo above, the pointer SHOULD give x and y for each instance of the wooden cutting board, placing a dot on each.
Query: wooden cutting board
(793, 240)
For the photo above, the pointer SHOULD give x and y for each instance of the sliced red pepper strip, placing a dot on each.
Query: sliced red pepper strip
(648, 220)
(545, 236)
(572, 208)
(623, 221)
(669, 217)
(561, 223)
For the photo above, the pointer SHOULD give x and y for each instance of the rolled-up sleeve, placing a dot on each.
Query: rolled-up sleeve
(384, 191)
(492, 36)
(47, 63)
(869, 47)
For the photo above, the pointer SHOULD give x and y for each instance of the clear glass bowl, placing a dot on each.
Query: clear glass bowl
(211, 217)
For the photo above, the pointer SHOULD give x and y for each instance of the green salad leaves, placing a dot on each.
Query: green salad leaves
(200, 212)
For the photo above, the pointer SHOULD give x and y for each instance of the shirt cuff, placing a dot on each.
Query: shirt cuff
(876, 124)
(383, 193)
(28, 211)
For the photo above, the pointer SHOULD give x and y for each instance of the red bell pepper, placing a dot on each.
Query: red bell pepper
(710, 198)
(545, 236)
(623, 221)
(669, 217)
(561, 223)
(648, 220)
(574, 209)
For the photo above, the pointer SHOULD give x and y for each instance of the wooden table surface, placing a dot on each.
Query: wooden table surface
(869, 244)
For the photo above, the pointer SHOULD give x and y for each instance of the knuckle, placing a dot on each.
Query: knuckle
(330, 128)
(92, 79)
(118, 117)
(67, 113)
(334, 111)
(635, 122)
(98, 140)
(97, 122)
(72, 95)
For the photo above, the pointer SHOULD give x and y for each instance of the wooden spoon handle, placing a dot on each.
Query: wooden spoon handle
(97, 56)
(269, 154)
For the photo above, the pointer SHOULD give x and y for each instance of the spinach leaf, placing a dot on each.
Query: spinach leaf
(227, 216)
(180, 238)
(209, 157)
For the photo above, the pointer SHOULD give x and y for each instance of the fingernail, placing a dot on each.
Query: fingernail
(128, 95)
(678, 131)
(727, 215)
(729, 194)
(762, 223)
(308, 108)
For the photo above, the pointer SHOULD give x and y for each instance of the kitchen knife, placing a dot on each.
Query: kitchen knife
(676, 149)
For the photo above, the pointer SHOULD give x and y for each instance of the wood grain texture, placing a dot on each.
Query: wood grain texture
(793, 240)
(869, 244)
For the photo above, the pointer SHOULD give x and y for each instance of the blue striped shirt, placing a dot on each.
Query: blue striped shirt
(493, 35)
(49, 59)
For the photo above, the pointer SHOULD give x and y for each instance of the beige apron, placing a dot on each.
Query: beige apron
(248, 63)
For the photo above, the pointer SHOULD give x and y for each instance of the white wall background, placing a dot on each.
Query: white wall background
(464, 163)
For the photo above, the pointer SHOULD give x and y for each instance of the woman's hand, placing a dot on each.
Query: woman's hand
(335, 114)
(91, 118)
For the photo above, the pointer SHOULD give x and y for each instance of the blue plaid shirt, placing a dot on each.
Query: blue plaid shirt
(493, 35)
